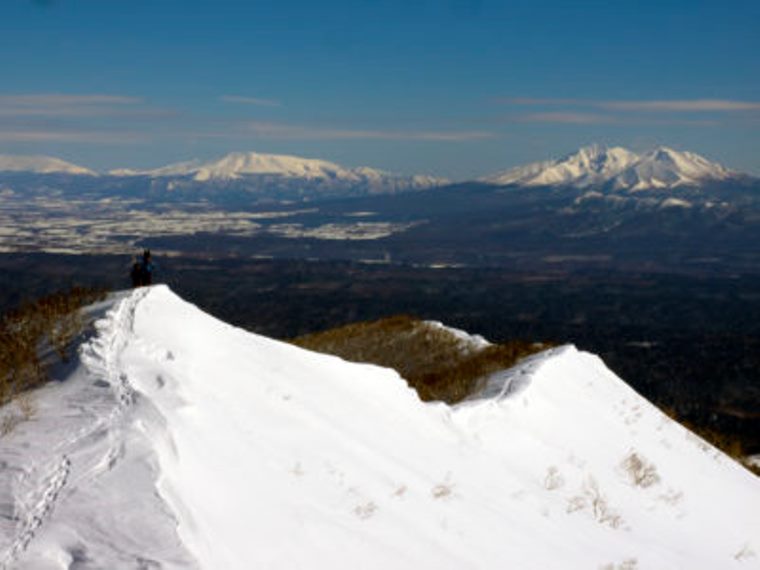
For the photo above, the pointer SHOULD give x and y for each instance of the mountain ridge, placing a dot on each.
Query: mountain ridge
(617, 168)
(235, 165)
(592, 166)
(176, 440)
(40, 164)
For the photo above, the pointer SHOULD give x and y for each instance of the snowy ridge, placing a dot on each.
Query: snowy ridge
(617, 168)
(468, 342)
(188, 443)
(237, 165)
(41, 165)
(666, 168)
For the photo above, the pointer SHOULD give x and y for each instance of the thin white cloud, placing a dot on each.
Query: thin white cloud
(653, 106)
(72, 136)
(59, 105)
(682, 106)
(35, 99)
(299, 132)
(569, 118)
(250, 101)
(95, 118)
(82, 111)
(537, 101)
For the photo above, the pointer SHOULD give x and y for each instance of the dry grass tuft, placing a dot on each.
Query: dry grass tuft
(54, 320)
(640, 471)
(434, 361)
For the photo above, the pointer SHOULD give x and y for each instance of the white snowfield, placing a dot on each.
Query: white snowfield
(182, 442)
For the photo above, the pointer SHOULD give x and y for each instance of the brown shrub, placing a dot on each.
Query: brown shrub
(640, 471)
(434, 361)
(54, 319)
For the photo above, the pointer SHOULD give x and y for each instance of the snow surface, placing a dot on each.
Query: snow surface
(617, 168)
(178, 441)
(40, 165)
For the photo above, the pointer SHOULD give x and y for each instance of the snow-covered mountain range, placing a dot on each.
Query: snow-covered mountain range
(41, 165)
(617, 168)
(238, 165)
(592, 166)
(269, 176)
(243, 180)
(178, 441)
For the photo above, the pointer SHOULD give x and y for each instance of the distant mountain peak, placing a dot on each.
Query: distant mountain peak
(243, 165)
(618, 168)
(40, 165)
(239, 164)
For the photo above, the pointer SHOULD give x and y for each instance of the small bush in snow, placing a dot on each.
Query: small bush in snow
(640, 472)
(553, 479)
(596, 503)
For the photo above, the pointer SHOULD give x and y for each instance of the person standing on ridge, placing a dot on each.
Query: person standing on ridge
(134, 273)
(146, 269)
(142, 271)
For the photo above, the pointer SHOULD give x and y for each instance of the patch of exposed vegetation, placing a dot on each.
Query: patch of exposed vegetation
(640, 472)
(592, 500)
(51, 322)
(436, 362)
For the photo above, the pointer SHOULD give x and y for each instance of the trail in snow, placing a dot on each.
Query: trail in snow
(39, 486)
(84, 450)
(34, 505)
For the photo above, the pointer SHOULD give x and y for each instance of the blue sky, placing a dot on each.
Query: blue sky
(457, 88)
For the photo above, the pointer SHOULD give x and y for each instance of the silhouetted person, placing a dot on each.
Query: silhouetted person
(146, 269)
(142, 271)
(134, 273)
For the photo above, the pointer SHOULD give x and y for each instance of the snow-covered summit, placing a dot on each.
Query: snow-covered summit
(667, 168)
(40, 165)
(588, 166)
(182, 442)
(237, 165)
(617, 168)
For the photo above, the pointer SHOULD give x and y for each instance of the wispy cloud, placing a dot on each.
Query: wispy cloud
(683, 106)
(654, 106)
(568, 118)
(250, 101)
(77, 118)
(62, 99)
(300, 132)
(537, 101)
(67, 136)
(61, 105)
